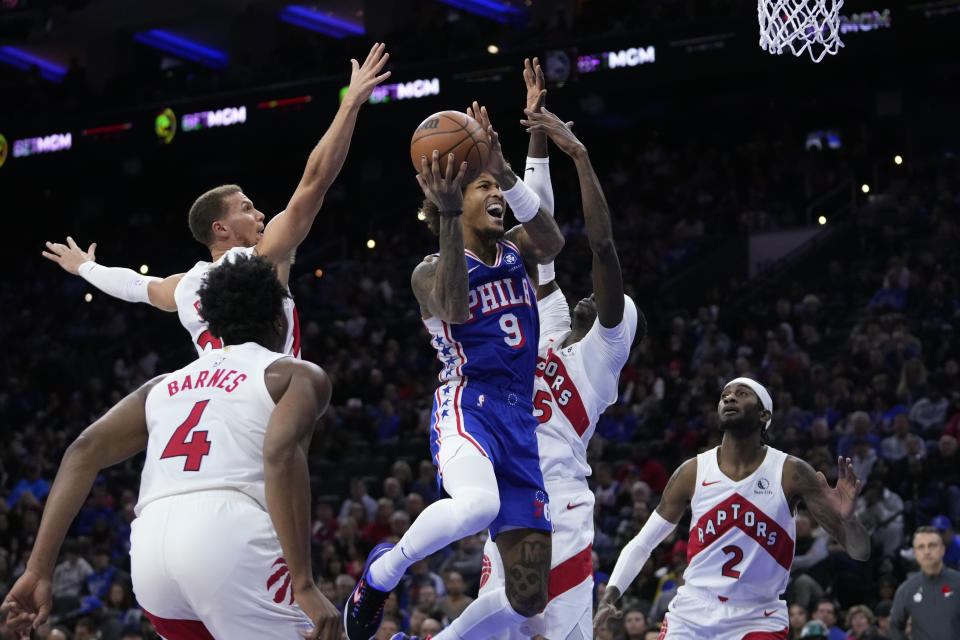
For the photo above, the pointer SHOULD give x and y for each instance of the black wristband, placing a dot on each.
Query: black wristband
(453, 213)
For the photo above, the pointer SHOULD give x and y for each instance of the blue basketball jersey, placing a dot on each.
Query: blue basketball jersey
(497, 346)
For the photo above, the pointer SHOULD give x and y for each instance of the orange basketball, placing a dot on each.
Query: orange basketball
(451, 132)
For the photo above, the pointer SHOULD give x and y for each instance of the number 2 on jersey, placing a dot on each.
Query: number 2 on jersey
(196, 448)
(511, 327)
(728, 566)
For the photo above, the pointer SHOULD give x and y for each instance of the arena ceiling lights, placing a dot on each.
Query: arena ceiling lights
(183, 48)
(499, 11)
(23, 60)
(320, 22)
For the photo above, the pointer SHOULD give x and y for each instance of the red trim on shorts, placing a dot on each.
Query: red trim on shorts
(767, 635)
(570, 573)
(457, 412)
(179, 629)
(663, 629)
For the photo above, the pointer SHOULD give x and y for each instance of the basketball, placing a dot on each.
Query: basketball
(451, 132)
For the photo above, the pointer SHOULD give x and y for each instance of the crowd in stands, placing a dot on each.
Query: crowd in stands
(857, 345)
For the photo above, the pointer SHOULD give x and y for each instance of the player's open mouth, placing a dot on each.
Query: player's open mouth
(730, 410)
(495, 209)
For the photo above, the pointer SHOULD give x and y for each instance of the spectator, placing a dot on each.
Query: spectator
(798, 618)
(826, 613)
(324, 526)
(388, 628)
(344, 585)
(358, 495)
(894, 447)
(71, 574)
(951, 541)
(85, 629)
(430, 627)
(380, 528)
(815, 630)
(634, 624)
(97, 508)
(943, 465)
(426, 482)
(860, 622)
(31, 487)
(453, 604)
(929, 598)
(882, 611)
(881, 512)
(103, 575)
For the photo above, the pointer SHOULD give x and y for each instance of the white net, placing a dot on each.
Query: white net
(811, 26)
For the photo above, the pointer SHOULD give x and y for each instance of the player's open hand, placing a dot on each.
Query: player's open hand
(70, 256)
(28, 602)
(843, 497)
(560, 132)
(535, 83)
(496, 164)
(327, 623)
(443, 190)
(365, 77)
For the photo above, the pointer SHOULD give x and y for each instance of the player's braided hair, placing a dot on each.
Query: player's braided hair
(241, 299)
(207, 209)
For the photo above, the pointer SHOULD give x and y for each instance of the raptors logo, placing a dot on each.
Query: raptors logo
(281, 577)
(486, 568)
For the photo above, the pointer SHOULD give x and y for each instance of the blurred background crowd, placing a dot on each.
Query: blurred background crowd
(854, 331)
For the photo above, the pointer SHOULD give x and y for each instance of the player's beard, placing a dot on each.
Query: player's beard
(741, 426)
(492, 234)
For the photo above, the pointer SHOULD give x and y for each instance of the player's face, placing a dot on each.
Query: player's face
(243, 221)
(584, 314)
(484, 207)
(739, 409)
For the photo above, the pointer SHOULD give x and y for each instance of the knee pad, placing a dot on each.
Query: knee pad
(476, 509)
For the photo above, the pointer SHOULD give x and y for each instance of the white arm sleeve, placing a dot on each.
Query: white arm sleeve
(635, 554)
(537, 176)
(118, 282)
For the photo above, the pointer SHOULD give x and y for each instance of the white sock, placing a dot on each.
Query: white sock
(484, 617)
(474, 503)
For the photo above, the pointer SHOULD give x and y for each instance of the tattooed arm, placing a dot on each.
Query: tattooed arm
(833, 507)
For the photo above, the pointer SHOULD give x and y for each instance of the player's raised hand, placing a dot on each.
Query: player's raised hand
(535, 83)
(327, 622)
(843, 497)
(70, 256)
(496, 164)
(29, 601)
(560, 132)
(365, 77)
(443, 190)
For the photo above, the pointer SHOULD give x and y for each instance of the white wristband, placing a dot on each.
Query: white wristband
(118, 282)
(635, 554)
(523, 200)
(537, 177)
(546, 273)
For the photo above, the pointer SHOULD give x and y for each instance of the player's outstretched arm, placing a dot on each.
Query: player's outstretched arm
(119, 434)
(125, 284)
(289, 228)
(304, 394)
(606, 273)
(539, 238)
(834, 508)
(441, 285)
(660, 524)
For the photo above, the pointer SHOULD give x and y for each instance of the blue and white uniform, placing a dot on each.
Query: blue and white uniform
(483, 404)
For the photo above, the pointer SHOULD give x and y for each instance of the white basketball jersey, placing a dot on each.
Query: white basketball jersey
(574, 385)
(741, 533)
(188, 308)
(206, 425)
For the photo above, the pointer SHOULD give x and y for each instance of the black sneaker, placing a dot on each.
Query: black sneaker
(363, 612)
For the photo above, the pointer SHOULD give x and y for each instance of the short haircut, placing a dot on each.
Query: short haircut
(207, 209)
(241, 299)
(927, 529)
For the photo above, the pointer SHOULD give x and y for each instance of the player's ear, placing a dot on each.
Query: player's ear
(220, 230)
(765, 415)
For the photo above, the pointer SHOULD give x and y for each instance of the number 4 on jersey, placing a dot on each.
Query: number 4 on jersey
(196, 448)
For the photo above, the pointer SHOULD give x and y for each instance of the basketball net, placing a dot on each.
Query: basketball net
(800, 25)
